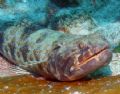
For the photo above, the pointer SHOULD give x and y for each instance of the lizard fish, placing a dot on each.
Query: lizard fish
(52, 54)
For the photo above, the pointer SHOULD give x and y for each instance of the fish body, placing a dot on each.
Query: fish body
(53, 54)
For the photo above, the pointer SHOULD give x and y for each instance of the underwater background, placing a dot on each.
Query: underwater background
(76, 17)
(79, 17)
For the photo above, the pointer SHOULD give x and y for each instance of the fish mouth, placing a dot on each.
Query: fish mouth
(99, 59)
(95, 53)
(102, 52)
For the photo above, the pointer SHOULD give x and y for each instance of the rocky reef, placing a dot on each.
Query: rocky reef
(78, 23)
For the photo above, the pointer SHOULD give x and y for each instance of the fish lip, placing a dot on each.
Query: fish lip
(104, 56)
(100, 51)
(90, 65)
(96, 54)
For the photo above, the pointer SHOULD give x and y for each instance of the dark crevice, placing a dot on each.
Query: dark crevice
(65, 3)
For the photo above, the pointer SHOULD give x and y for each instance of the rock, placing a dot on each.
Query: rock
(74, 23)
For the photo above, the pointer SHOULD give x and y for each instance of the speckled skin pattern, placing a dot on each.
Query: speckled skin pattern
(52, 54)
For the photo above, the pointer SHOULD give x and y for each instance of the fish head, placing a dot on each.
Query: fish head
(79, 57)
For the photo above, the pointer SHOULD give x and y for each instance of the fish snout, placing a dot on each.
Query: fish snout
(90, 60)
(77, 63)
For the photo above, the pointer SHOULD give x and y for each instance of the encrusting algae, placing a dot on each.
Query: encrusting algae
(27, 84)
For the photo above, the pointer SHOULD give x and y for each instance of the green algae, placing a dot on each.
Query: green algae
(117, 49)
